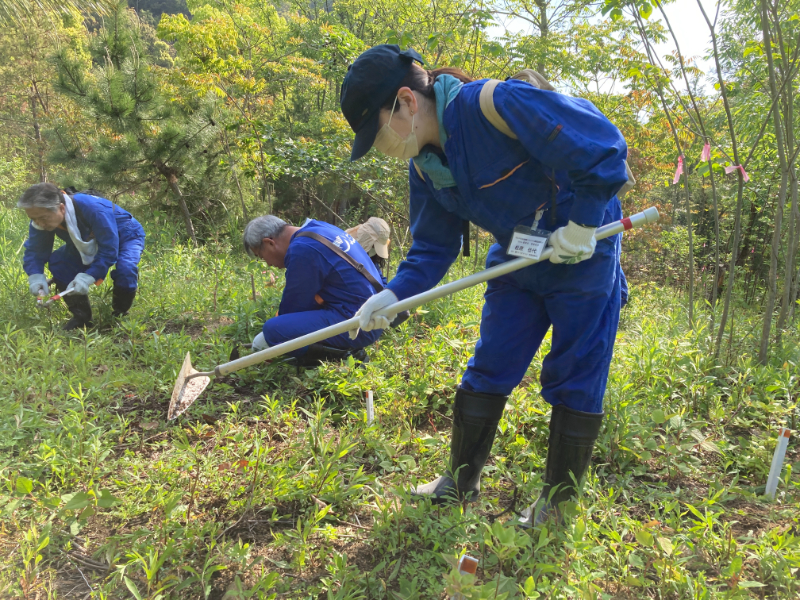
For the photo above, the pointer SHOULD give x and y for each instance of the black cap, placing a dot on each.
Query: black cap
(370, 81)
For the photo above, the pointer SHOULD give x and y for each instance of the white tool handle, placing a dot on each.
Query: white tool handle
(649, 215)
(55, 297)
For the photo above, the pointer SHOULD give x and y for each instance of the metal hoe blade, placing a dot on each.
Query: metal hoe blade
(186, 392)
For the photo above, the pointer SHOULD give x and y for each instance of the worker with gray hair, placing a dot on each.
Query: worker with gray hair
(328, 276)
(97, 235)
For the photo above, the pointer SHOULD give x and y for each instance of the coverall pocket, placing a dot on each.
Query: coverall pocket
(511, 164)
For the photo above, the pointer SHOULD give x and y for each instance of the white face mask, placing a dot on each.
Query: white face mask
(389, 142)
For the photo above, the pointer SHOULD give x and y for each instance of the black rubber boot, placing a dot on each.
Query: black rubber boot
(400, 319)
(121, 301)
(569, 452)
(79, 307)
(475, 420)
(317, 353)
(360, 355)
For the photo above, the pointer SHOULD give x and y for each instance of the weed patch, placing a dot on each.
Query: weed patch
(273, 485)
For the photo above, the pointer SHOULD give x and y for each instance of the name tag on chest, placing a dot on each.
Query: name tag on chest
(527, 242)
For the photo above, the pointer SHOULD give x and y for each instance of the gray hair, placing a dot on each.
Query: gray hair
(41, 195)
(267, 226)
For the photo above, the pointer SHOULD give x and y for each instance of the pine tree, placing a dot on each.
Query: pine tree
(141, 134)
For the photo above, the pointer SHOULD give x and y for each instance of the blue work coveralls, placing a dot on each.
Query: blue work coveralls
(501, 183)
(315, 273)
(120, 242)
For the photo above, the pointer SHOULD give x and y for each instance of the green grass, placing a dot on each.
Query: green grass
(273, 486)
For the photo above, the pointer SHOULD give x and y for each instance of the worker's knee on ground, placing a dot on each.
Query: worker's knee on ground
(271, 333)
(274, 333)
(259, 343)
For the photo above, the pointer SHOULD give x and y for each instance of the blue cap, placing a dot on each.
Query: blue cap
(372, 79)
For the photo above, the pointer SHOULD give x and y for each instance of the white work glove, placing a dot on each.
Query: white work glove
(367, 321)
(572, 244)
(38, 284)
(80, 285)
(259, 343)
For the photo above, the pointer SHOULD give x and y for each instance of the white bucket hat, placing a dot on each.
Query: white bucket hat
(373, 236)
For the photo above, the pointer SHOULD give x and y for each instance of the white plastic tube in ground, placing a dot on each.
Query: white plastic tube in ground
(777, 462)
(466, 566)
(370, 408)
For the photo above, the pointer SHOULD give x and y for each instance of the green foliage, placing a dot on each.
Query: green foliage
(156, 8)
(273, 485)
(142, 135)
(16, 12)
(13, 173)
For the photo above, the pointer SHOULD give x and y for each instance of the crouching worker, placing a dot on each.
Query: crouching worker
(97, 234)
(328, 277)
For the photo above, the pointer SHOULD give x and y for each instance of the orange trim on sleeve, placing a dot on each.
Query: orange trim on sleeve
(506, 176)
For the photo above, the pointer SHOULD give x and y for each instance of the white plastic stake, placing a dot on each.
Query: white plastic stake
(370, 408)
(777, 462)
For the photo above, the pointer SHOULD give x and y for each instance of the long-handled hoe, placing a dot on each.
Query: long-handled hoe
(191, 383)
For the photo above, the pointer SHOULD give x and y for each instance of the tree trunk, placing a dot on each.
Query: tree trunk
(787, 305)
(235, 176)
(691, 244)
(544, 31)
(794, 282)
(788, 277)
(241, 195)
(172, 181)
(795, 287)
(659, 90)
(37, 134)
(737, 228)
(772, 282)
(716, 245)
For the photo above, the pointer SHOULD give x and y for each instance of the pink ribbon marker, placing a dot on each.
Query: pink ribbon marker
(705, 155)
(732, 168)
(679, 170)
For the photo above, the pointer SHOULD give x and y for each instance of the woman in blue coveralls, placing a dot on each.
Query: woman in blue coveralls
(97, 234)
(560, 175)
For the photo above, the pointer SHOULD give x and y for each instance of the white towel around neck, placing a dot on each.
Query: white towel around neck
(88, 250)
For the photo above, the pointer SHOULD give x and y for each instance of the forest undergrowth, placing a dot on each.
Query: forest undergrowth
(273, 485)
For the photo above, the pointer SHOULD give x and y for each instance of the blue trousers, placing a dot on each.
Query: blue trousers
(581, 302)
(65, 263)
(293, 325)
